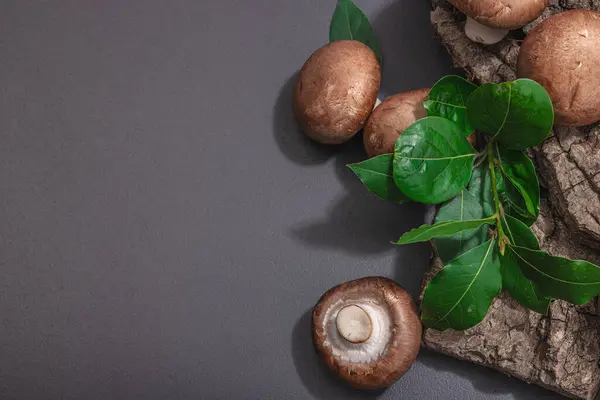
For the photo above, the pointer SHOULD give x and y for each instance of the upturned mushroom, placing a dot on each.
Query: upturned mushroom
(336, 91)
(391, 118)
(367, 331)
(562, 54)
(489, 21)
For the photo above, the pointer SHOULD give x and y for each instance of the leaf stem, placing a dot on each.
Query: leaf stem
(482, 157)
(502, 238)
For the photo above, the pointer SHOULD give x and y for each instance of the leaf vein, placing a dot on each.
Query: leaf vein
(471, 284)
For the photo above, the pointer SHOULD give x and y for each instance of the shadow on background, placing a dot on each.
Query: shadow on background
(357, 221)
(410, 267)
(320, 382)
(412, 57)
(353, 151)
(295, 145)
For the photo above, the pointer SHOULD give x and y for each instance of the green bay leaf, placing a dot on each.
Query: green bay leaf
(575, 281)
(463, 207)
(513, 279)
(460, 295)
(519, 234)
(517, 114)
(448, 99)
(480, 187)
(446, 228)
(518, 168)
(350, 23)
(433, 161)
(377, 175)
(512, 201)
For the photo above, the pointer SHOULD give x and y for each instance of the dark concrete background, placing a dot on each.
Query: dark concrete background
(164, 228)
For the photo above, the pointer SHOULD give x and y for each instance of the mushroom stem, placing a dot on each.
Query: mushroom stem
(354, 324)
(367, 331)
(377, 103)
(483, 34)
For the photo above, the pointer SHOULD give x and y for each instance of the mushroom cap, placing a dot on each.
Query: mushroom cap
(336, 90)
(396, 332)
(391, 118)
(501, 14)
(562, 55)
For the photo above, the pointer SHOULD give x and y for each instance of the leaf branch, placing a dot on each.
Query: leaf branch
(502, 238)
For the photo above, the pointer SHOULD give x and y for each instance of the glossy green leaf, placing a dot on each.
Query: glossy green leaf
(433, 161)
(518, 114)
(447, 228)
(350, 23)
(480, 187)
(448, 99)
(573, 281)
(463, 207)
(512, 201)
(460, 295)
(519, 234)
(513, 279)
(519, 170)
(377, 175)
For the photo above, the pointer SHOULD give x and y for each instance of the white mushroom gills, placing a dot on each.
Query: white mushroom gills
(354, 324)
(483, 34)
(374, 346)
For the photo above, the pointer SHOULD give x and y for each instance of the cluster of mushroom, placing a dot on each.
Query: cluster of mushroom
(368, 331)
(561, 53)
(336, 93)
(337, 88)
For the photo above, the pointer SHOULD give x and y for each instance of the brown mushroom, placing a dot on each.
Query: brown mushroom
(336, 91)
(367, 331)
(391, 118)
(488, 21)
(562, 54)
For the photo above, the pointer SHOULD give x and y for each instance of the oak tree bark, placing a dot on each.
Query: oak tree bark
(560, 351)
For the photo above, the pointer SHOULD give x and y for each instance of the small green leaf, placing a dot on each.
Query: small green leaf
(518, 114)
(462, 208)
(519, 170)
(460, 295)
(512, 201)
(350, 23)
(433, 161)
(377, 174)
(448, 99)
(481, 188)
(519, 234)
(574, 281)
(447, 228)
(513, 279)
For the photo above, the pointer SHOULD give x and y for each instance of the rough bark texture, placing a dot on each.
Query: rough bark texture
(562, 351)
